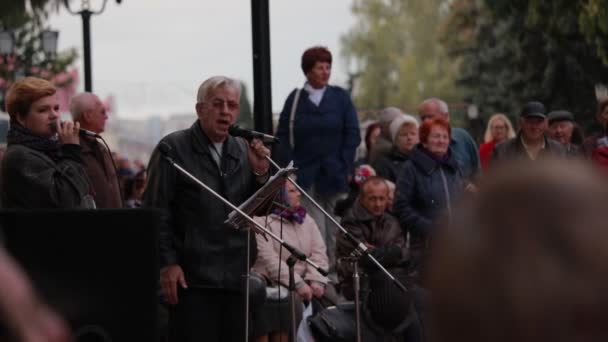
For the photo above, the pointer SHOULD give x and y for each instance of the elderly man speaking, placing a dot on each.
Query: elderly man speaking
(202, 260)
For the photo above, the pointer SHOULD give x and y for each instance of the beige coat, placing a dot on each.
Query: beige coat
(305, 237)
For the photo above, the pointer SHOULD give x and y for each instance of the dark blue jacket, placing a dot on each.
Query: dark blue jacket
(325, 139)
(425, 189)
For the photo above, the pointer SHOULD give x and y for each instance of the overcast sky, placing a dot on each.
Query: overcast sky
(152, 54)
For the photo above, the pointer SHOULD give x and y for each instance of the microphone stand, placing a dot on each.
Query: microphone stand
(291, 261)
(295, 253)
(357, 287)
(361, 248)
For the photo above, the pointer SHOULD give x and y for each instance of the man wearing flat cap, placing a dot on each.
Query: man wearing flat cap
(531, 142)
(564, 129)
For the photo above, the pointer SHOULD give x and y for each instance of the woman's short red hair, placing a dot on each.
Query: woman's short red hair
(425, 128)
(313, 55)
(23, 93)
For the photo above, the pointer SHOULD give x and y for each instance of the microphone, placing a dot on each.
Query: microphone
(81, 130)
(249, 134)
(165, 149)
(166, 152)
(89, 133)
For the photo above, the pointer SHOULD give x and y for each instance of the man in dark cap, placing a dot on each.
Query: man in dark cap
(564, 129)
(531, 142)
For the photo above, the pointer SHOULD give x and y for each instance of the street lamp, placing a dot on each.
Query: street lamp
(86, 13)
(48, 43)
(49, 40)
(476, 125)
(20, 66)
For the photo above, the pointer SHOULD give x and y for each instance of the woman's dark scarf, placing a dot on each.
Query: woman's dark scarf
(282, 208)
(19, 135)
(439, 160)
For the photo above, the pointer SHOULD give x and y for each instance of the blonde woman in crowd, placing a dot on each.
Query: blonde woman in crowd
(499, 129)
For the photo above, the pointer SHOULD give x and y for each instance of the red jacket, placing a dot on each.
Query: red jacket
(485, 152)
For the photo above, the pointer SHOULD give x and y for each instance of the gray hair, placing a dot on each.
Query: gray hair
(388, 114)
(443, 106)
(216, 82)
(81, 103)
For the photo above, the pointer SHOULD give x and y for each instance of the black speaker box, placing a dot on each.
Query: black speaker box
(96, 268)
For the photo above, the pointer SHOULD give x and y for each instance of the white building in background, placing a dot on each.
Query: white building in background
(136, 138)
(177, 122)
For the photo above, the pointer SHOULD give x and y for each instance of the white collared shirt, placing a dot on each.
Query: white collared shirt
(315, 95)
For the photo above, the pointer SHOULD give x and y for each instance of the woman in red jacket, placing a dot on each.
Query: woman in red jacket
(499, 129)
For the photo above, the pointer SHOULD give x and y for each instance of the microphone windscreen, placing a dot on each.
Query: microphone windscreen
(165, 149)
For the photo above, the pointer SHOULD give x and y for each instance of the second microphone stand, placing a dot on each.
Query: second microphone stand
(361, 249)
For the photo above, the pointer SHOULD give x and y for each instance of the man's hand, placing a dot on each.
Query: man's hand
(68, 132)
(169, 277)
(257, 157)
(305, 292)
(318, 289)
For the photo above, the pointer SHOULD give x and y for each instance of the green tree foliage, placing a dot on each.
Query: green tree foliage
(245, 113)
(593, 21)
(394, 46)
(513, 51)
(27, 23)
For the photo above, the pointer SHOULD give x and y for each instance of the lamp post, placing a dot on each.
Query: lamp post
(476, 125)
(86, 13)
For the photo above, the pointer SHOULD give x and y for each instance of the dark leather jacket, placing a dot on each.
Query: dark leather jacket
(388, 167)
(31, 180)
(384, 233)
(101, 172)
(192, 233)
(426, 188)
(514, 149)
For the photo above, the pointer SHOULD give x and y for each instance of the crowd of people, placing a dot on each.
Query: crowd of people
(413, 181)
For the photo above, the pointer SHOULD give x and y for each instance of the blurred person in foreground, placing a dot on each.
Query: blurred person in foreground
(43, 166)
(464, 148)
(499, 129)
(319, 131)
(404, 135)
(25, 315)
(88, 110)
(532, 141)
(288, 220)
(429, 185)
(525, 260)
(202, 260)
(564, 129)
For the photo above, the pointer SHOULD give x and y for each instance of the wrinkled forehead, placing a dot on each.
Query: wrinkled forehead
(430, 109)
(223, 92)
(375, 189)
